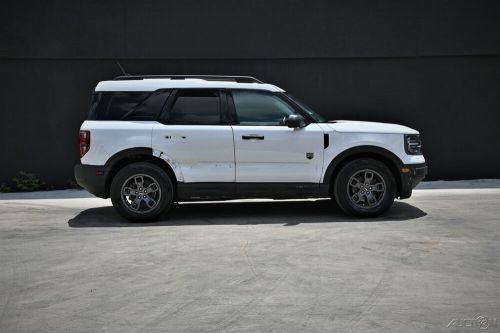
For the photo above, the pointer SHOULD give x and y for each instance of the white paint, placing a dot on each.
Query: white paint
(204, 153)
(353, 126)
(155, 84)
(171, 162)
(219, 154)
(281, 156)
(350, 134)
(199, 153)
(394, 143)
(110, 137)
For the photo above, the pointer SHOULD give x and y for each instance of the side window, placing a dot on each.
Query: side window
(196, 107)
(150, 108)
(127, 105)
(260, 108)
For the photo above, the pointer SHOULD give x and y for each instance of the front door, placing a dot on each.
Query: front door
(266, 150)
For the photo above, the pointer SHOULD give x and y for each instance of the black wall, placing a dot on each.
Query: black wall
(431, 65)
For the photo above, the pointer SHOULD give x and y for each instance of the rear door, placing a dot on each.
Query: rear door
(195, 136)
(266, 150)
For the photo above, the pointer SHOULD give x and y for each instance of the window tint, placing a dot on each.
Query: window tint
(306, 108)
(260, 108)
(127, 105)
(150, 108)
(196, 108)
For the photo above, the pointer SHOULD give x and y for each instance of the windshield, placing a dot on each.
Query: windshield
(310, 111)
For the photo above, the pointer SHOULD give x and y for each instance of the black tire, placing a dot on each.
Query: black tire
(142, 207)
(362, 200)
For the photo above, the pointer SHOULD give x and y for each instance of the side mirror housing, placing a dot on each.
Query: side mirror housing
(295, 121)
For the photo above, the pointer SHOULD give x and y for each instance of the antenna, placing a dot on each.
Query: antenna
(121, 68)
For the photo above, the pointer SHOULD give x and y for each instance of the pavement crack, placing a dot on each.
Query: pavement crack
(249, 260)
(372, 299)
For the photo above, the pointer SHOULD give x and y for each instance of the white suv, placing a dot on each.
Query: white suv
(150, 141)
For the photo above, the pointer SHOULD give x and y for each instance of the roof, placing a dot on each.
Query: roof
(155, 82)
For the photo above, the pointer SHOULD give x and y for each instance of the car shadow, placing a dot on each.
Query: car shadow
(288, 213)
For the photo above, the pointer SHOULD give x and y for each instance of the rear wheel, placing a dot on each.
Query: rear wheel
(141, 192)
(365, 187)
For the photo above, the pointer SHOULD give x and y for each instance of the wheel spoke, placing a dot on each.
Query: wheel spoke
(355, 183)
(357, 198)
(368, 177)
(150, 202)
(378, 187)
(128, 191)
(152, 188)
(136, 204)
(371, 199)
(139, 180)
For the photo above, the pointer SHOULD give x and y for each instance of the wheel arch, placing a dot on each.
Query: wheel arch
(383, 155)
(139, 154)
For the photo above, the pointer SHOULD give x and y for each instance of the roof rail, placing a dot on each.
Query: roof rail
(239, 79)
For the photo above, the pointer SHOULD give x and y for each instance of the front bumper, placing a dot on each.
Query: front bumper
(411, 175)
(92, 178)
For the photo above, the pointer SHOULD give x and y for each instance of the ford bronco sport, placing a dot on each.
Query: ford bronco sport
(150, 141)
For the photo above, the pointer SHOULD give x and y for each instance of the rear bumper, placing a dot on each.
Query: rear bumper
(411, 175)
(92, 178)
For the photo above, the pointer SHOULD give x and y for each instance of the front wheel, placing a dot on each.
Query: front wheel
(141, 192)
(365, 187)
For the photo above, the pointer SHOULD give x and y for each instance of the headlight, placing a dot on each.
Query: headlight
(413, 144)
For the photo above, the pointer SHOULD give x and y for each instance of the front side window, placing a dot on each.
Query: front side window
(260, 108)
(196, 107)
(306, 108)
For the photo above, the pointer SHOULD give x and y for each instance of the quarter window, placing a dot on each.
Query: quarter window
(260, 108)
(127, 105)
(196, 108)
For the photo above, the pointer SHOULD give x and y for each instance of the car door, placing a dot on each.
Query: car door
(267, 151)
(195, 136)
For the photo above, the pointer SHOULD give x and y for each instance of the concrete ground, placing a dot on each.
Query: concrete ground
(68, 263)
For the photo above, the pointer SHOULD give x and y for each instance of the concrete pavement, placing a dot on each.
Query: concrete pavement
(71, 264)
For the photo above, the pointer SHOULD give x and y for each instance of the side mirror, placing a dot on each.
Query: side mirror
(295, 121)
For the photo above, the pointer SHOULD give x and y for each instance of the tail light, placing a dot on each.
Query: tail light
(84, 142)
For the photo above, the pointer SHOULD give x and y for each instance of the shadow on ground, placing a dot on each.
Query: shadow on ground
(288, 213)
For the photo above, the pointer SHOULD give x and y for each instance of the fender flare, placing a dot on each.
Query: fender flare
(359, 150)
(171, 163)
(129, 153)
(126, 153)
(138, 151)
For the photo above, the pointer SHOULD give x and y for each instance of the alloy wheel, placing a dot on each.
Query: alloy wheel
(141, 193)
(366, 188)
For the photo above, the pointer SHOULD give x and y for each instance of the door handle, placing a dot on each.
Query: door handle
(253, 137)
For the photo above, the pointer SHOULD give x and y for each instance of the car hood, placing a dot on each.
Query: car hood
(369, 127)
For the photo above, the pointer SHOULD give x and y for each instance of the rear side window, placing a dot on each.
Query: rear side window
(196, 107)
(127, 105)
